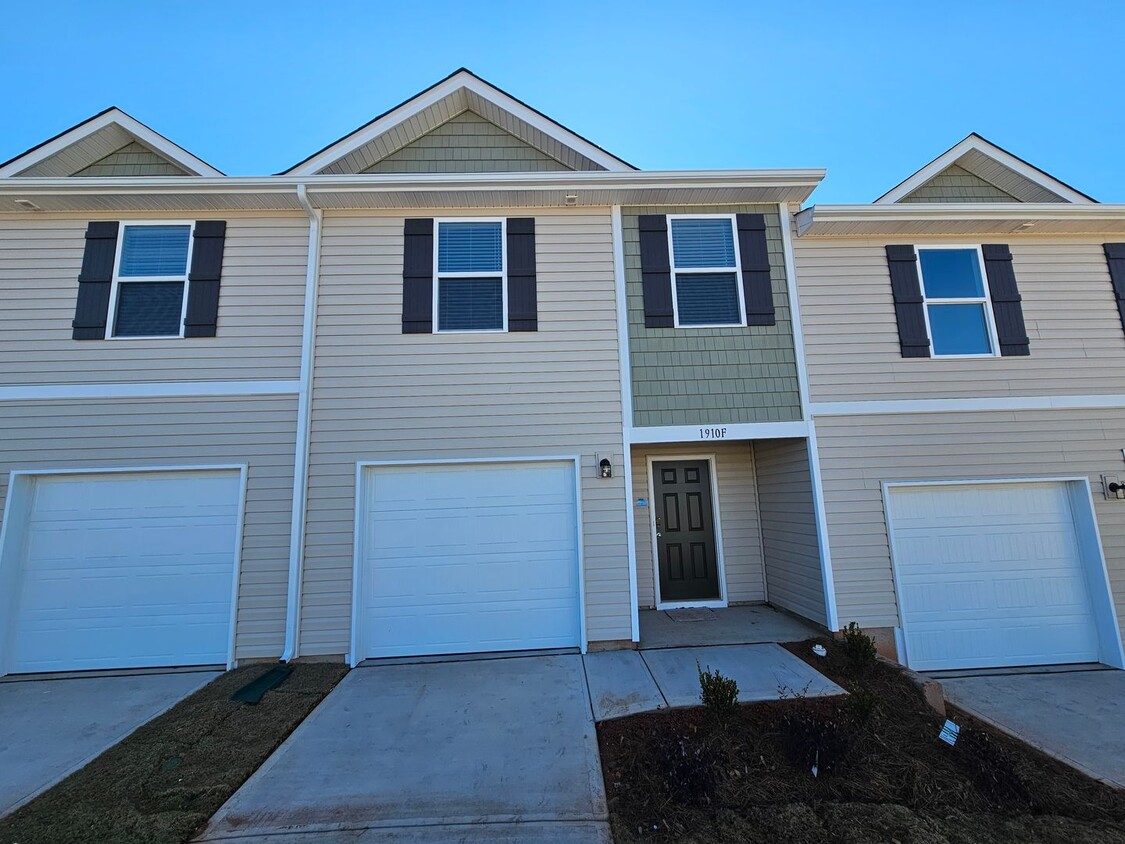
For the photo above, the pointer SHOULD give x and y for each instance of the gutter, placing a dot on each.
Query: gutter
(304, 413)
(956, 212)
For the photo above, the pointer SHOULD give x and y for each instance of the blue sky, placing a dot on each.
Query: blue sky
(871, 91)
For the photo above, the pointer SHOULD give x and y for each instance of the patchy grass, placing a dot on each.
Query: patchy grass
(883, 776)
(162, 783)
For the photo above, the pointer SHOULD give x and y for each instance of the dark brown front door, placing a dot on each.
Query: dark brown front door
(685, 531)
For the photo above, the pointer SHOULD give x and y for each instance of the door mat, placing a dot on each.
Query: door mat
(691, 614)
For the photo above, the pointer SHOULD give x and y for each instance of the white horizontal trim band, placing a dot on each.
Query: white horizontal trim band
(164, 389)
(718, 432)
(864, 408)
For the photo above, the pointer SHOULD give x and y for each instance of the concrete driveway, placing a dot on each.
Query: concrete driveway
(500, 750)
(51, 728)
(1074, 716)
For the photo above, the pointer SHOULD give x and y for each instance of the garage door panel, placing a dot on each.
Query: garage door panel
(126, 570)
(991, 575)
(469, 558)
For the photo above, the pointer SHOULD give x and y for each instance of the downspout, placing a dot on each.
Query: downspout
(301, 452)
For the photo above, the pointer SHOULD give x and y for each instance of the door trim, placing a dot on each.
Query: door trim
(21, 484)
(715, 508)
(352, 658)
(1091, 551)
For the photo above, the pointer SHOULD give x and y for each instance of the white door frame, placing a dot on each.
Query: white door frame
(712, 469)
(17, 506)
(353, 658)
(1091, 552)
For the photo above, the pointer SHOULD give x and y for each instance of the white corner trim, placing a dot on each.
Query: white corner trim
(968, 405)
(173, 152)
(718, 432)
(482, 89)
(812, 450)
(626, 412)
(302, 439)
(148, 390)
(975, 142)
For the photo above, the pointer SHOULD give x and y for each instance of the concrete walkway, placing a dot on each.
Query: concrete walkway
(476, 750)
(628, 682)
(1074, 716)
(51, 728)
(500, 750)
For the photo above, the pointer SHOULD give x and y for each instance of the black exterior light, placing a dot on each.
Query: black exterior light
(605, 468)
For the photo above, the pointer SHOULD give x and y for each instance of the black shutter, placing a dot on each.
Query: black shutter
(1115, 257)
(94, 281)
(418, 277)
(656, 274)
(1006, 307)
(755, 257)
(522, 307)
(204, 278)
(909, 310)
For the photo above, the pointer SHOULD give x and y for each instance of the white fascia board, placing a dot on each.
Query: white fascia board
(713, 432)
(173, 152)
(975, 142)
(800, 182)
(955, 212)
(423, 101)
(968, 405)
(148, 390)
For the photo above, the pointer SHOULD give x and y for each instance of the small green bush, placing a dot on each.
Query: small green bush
(859, 649)
(862, 703)
(716, 691)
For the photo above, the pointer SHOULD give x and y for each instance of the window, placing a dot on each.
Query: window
(471, 266)
(705, 272)
(150, 281)
(956, 301)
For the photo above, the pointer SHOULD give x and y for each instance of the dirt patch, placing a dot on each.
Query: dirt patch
(162, 783)
(882, 774)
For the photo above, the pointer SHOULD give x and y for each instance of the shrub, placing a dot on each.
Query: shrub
(862, 703)
(858, 650)
(716, 691)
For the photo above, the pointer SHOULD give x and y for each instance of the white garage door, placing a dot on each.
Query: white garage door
(991, 575)
(468, 558)
(125, 570)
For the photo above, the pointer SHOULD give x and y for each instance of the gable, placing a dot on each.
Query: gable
(467, 144)
(133, 159)
(108, 144)
(956, 184)
(977, 170)
(471, 115)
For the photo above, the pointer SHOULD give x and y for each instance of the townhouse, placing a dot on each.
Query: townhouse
(464, 381)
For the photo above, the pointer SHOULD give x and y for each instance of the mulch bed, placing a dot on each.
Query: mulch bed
(163, 782)
(698, 776)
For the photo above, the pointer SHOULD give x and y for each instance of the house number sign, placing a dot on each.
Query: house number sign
(712, 433)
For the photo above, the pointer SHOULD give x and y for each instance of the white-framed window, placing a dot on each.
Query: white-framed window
(150, 280)
(470, 289)
(958, 308)
(706, 271)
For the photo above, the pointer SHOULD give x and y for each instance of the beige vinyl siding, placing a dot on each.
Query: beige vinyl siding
(956, 184)
(738, 517)
(859, 453)
(260, 309)
(710, 376)
(467, 144)
(789, 541)
(851, 337)
(381, 395)
(150, 433)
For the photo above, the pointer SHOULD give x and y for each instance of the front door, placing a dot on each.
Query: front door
(685, 531)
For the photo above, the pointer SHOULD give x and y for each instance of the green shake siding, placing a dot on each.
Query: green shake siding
(690, 376)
